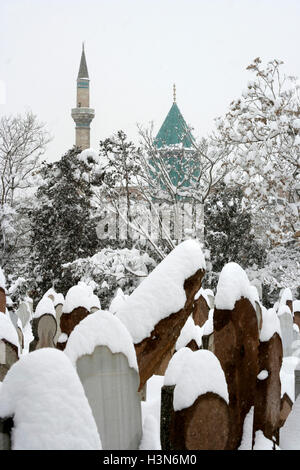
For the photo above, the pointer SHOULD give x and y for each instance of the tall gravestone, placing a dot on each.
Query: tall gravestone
(236, 340)
(287, 331)
(103, 353)
(267, 408)
(111, 387)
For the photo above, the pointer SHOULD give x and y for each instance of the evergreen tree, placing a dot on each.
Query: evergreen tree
(228, 232)
(62, 222)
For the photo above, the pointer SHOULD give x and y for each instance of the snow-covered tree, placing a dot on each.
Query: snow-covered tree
(262, 127)
(110, 269)
(120, 167)
(229, 234)
(62, 223)
(23, 141)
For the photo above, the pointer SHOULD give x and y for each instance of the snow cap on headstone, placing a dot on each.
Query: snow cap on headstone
(45, 397)
(101, 328)
(162, 292)
(45, 306)
(233, 284)
(195, 374)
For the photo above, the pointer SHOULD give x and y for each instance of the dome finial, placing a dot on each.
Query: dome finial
(174, 93)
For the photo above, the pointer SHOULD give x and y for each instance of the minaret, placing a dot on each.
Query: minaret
(83, 114)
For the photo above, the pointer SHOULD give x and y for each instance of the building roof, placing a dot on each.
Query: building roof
(174, 130)
(83, 71)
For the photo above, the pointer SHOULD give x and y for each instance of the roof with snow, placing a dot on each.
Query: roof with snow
(174, 130)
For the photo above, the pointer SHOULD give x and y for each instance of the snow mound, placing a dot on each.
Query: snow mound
(270, 324)
(162, 292)
(77, 296)
(189, 332)
(118, 301)
(44, 395)
(287, 376)
(101, 328)
(45, 306)
(234, 284)
(195, 374)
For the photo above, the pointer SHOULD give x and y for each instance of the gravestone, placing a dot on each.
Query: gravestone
(194, 403)
(6, 426)
(8, 356)
(152, 351)
(111, 387)
(46, 329)
(287, 332)
(268, 404)
(68, 321)
(297, 383)
(58, 311)
(2, 300)
(24, 313)
(236, 341)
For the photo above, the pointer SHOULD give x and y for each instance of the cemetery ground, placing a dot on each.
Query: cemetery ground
(172, 367)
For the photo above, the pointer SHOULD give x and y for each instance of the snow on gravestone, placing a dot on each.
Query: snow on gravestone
(267, 404)
(236, 340)
(45, 398)
(102, 351)
(44, 324)
(198, 418)
(76, 307)
(9, 341)
(156, 311)
(287, 331)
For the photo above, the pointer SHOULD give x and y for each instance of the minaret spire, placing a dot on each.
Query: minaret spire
(83, 114)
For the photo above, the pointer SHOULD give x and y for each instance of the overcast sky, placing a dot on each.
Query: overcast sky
(136, 50)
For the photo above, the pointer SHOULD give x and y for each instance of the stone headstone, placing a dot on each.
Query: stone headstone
(236, 340)
(6, 426)
(24, 313)
(58, 311)
(202, 426)
(68, 321)
(152, 350)
(46, 329)
(111, 387)
(200, 311)
(297, 383)
(2, 300)
(267, 405)
(8, 356)
(286, 325)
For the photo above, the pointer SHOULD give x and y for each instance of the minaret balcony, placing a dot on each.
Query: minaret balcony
(83, 115)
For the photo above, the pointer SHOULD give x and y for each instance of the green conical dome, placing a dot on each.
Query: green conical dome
(174, 130)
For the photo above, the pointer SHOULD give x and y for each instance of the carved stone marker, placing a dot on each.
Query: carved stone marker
(105, 359)
(76, 308)
(156, 311)
(236, 340)
(287, 332)
(9, 341)
(44, 325)
(268, 388)
(111, 389)
(194, 403)
(5, 433)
